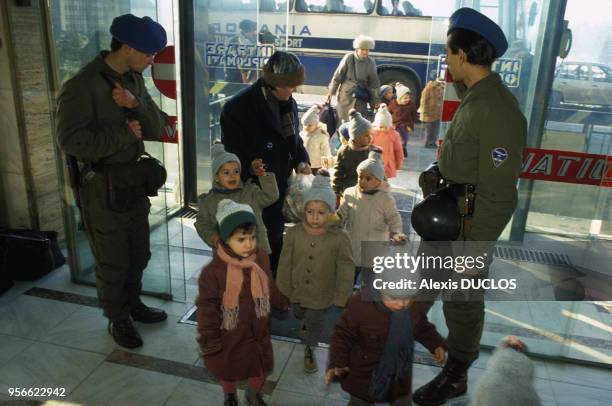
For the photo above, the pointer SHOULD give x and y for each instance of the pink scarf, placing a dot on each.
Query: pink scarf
(233, 285)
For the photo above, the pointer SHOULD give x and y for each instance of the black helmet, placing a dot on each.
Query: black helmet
(437, 217)
(153, 173)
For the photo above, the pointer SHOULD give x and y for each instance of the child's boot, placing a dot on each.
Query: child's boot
(230, 400)
(310, 362)
(255, 398)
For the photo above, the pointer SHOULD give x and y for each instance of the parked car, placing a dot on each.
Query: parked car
(585, 83)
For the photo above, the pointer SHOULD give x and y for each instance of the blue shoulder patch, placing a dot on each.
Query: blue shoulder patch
(499, 155)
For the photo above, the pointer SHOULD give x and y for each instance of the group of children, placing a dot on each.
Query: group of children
(318, 268)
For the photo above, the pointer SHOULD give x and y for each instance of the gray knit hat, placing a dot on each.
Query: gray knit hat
(231, 214)
(220, 157)
(311, 116)
(321, 190)
(401, 90)
(383, 117)
(363, 42)
(283, 69)
(383, 90)
(358, 125)
(373, 165)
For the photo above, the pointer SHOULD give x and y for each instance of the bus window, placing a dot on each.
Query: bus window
(275, 6)
(416, 8)
(335, 6)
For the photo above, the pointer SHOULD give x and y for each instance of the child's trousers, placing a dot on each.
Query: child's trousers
(312, 321)
(255, 384)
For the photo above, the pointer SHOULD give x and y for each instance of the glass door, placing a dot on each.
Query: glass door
(80, 30)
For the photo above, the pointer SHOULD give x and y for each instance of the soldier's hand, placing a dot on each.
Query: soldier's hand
(135, 127)
(335, 374)
(123, 97)
(399, 237)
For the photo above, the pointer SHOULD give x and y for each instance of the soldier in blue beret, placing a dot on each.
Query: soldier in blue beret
(481, 160)
(104, 115)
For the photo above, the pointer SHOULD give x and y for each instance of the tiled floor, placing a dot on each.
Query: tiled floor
(52, 343)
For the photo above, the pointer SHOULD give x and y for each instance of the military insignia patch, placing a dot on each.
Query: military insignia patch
(499, 155)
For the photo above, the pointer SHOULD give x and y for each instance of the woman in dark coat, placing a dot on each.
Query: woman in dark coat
(236, 291)
(261, 122)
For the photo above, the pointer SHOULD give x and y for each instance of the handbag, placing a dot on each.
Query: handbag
(327, 115)
(360, 92)
(27, 255)
(129, 183)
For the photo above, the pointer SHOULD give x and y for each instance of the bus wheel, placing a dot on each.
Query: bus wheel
(392, 76)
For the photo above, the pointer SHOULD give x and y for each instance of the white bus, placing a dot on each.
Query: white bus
(320, 32)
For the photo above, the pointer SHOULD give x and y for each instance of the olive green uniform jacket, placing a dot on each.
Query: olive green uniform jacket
(484, 146)
(251, 194)
(91, 127)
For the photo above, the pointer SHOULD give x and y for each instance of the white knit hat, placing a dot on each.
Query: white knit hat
(374, 165)
(220, 156)
(321, 190)
(363, 42)
(231, 214)
(401, 90)
(383, 117)
(311, 116)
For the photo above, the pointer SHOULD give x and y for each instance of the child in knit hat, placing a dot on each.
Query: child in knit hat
(404, 113)
(351, 154)
(236, 291)
(381, 326)
(386, 94)
(508, 380)
(316, 265)
(315, 138)
(227, 184)
(368, 210)
(385, 137)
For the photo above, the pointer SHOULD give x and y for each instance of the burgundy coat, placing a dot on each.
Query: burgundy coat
(404, 114)
(358, 341)
(246, 350)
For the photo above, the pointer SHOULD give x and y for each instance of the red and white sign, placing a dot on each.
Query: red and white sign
(164, 72)
(170, 134)
(450, 101)
(567, 167)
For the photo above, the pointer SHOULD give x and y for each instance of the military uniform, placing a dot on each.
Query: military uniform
(483, 147)
(93, 128)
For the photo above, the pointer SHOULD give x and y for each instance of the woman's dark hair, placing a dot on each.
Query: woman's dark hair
(479, 51)
(115, 45)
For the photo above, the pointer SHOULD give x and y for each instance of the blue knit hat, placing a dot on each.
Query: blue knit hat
(470, 19)
(142, 34)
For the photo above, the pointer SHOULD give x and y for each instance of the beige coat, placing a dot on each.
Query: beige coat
(317, 145)
(316, 271)
(368, 217)
(431, 102)
(251, 194)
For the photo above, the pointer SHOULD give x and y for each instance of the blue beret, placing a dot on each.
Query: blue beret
(470, 19)
(142, 34)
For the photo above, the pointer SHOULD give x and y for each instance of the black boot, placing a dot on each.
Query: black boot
(230, 400)
(450, 382)
(255, 399)
(146, 314)
(124, 333)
